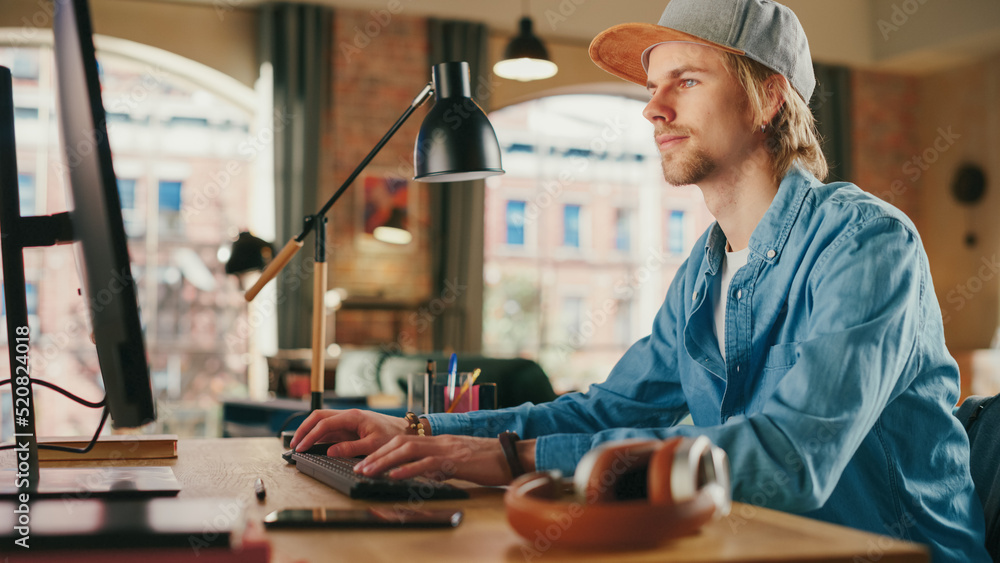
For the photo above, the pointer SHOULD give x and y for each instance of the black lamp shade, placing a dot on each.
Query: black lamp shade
(456, 141)
(248, 254)
(525, 57)
(526, 45)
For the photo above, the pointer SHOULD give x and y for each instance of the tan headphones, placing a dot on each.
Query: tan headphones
(624, 494)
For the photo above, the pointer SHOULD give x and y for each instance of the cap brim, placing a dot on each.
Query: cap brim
(618, 49)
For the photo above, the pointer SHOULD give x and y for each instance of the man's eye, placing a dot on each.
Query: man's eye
(689, 83)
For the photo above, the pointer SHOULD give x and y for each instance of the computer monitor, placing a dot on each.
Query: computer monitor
(95, 225)
(103, 258)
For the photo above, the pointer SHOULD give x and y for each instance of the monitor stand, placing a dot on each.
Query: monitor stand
(87, 482)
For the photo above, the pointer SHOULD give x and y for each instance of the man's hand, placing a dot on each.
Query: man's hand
(358, 432)
(479, 460)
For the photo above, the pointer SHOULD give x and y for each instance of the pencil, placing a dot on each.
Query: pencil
(465, 387)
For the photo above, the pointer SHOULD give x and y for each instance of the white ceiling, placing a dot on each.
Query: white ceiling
(906, 35)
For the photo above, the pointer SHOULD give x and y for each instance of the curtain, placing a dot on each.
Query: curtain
(295, 39)
(831, 104)
(456, 212)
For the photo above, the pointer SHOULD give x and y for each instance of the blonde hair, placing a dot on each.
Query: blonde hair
(791, 134)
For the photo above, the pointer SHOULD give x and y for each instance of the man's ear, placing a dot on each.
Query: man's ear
(776, 85)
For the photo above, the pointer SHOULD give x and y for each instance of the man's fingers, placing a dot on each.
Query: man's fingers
(306, 427)
(354, 448)
(427, 467)
(394, 453)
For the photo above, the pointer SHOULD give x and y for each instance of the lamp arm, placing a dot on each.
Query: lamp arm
(294, 244)
(417, 102)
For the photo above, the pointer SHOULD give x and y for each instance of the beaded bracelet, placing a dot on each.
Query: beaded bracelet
(415, 424)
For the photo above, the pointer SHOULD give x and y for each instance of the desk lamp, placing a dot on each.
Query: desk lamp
(456, 143)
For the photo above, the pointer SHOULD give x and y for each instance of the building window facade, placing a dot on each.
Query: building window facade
(675, 232)
(571, 226)
(515, 222)
(623, 230)
(584, 193)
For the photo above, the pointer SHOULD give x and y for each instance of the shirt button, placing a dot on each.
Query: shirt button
(739, 293)
(771, 254)
(694, 296)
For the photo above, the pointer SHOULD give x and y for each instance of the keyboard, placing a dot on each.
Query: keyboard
(338, 472)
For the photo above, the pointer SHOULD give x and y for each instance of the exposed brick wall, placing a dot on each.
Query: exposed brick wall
(378, 66)
(884, 123)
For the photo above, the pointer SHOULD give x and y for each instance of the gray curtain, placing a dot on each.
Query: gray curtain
(456, 212)
(296, 39)
(831, 104)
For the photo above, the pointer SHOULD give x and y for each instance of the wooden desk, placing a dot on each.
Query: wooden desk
(229, 467)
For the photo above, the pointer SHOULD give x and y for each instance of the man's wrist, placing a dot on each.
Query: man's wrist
(526, 453)
(427, 426)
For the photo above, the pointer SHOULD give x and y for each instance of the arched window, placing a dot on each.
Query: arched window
(184, 155)
(582, 234)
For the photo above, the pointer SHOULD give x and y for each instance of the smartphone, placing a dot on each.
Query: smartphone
(375, 516)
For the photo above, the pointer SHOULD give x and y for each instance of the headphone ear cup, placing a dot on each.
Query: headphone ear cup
(660, 472)
(598, 479)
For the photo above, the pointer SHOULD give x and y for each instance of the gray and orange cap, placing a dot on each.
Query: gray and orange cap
(764, 31)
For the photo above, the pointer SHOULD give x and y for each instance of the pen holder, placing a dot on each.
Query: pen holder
(480, 396)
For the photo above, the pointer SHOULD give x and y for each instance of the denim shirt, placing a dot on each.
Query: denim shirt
(836, 399)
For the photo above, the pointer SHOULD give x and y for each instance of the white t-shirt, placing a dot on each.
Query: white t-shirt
(731, 262)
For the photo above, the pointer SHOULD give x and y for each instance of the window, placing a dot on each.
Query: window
(571, 226)
(515, 222)
(623, 230)
(25, 65)
(623, 323)
(170, 195)
(597, 225)
(25, 113)
(31, 298)
(675, 232)
(26, 191)
(572, 317)
(126, 192)
(188, 304)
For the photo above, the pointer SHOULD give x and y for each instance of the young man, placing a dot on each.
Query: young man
(802, 334)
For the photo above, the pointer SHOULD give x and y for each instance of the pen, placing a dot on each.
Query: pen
(465, 387)
(258, 489)
(452, 376)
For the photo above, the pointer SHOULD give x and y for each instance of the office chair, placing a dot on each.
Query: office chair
(981, 418)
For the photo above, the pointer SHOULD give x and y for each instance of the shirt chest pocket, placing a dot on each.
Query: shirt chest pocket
(778, 361)
(781, 358)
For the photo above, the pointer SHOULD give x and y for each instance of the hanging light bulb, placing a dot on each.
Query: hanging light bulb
(525, 57)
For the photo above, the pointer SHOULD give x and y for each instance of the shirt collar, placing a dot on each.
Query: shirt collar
(769, 237)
